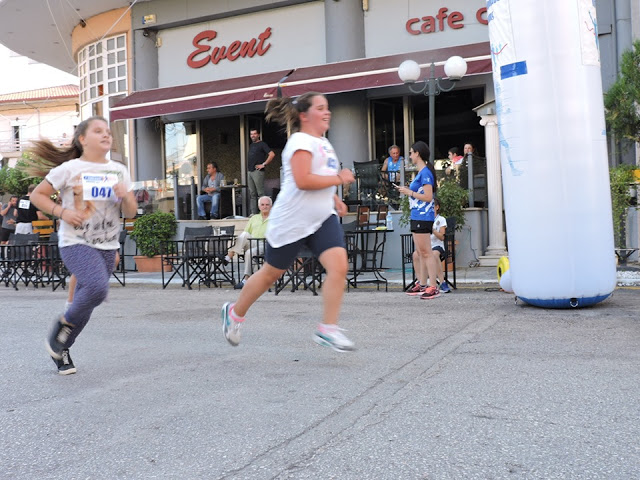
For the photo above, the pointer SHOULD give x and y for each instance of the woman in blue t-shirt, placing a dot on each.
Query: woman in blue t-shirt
(421, 193)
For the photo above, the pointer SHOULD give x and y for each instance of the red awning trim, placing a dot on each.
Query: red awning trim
(385, 77)
(352, 75)
(198, 96)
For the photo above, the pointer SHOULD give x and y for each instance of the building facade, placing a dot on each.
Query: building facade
(183, 82)
(50, 113)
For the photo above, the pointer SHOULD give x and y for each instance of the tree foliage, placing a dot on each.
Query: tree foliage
(14, 181)
(621, 101)
(621, 178)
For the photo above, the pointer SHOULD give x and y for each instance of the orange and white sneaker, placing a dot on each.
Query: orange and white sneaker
(416, 290)
(429, 293)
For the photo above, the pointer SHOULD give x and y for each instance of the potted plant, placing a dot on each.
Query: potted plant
(452, 200)
(151, 233)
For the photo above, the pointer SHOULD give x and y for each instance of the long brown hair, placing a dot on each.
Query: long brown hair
(44, 155)
(423, 150)
(286, 111)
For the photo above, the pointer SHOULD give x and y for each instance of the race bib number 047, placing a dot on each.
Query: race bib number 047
(98, 187)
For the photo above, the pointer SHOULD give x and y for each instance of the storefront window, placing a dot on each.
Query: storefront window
(388, 126)
(181, 160)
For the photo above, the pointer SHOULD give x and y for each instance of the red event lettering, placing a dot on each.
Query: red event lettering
(434, 24)
(200, 56)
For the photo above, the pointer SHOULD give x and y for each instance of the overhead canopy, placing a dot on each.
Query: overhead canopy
(337, 77)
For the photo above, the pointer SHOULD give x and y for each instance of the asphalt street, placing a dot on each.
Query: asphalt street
(467, 386)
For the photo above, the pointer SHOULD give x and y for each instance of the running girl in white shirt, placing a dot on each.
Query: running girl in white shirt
(306, 214)
(94, 190)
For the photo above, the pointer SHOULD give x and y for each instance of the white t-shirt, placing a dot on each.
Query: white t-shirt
(87, 186)
(438, 223)
(299, 213)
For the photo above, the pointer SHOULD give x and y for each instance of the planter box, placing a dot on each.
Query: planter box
(150, 264)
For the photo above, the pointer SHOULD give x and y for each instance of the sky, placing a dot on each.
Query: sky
(21, 73)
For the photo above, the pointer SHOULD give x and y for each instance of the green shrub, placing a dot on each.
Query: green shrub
(152, 231)
(452, 200)
(621, 178)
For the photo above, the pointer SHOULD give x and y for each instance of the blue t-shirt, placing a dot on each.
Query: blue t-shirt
(421, 210)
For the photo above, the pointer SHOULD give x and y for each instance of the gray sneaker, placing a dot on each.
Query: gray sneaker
(230, 328)
(334, 338)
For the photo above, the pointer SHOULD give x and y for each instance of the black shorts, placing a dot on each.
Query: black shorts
(4, 234)
(440, 250)
(421, 226)
(329, 235)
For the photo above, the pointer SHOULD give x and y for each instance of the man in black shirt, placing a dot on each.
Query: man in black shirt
(27, 213)
(260, 155)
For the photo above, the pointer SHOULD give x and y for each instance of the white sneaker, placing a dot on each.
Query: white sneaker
(230, 328)
(332, 336)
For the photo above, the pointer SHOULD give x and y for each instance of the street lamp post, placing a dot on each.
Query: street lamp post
(409, 72)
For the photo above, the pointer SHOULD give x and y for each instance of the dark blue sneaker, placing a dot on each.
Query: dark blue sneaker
(65, 364)
(445, 288)
(56, 342)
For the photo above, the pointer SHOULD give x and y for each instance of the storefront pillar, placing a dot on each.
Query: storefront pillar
(348, 133)
(496, 247)
(344, 31)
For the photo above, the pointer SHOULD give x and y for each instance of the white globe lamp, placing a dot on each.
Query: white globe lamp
(409, 71)
(455, 68)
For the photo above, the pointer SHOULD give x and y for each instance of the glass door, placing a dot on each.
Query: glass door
(388, 127)
(181, 164)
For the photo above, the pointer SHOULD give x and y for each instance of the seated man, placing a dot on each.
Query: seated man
(391, 166)
(256, 228)
(211, 187)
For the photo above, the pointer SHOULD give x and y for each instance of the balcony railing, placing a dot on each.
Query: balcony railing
(7, 146)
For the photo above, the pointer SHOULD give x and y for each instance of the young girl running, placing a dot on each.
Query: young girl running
(306, 214)
(421, 192)
(94, 190)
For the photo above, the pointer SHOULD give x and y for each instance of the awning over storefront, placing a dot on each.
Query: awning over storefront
(198, 96)
(366, 73)
(379, 72)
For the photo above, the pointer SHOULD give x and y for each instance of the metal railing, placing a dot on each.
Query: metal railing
(18, 145)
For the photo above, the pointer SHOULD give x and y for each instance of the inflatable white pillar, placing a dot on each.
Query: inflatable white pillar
(546, 68)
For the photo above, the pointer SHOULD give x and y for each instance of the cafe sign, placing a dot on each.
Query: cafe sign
(443, 19)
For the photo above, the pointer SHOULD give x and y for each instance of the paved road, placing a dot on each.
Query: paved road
(467, 386)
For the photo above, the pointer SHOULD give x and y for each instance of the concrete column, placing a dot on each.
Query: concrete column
(348, 133)
(344, 27)
(496, 248)
(146, 156)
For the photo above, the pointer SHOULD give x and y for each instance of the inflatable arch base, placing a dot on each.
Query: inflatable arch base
(565, 302)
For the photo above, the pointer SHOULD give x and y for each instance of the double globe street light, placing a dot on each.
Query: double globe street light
(409, 72)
